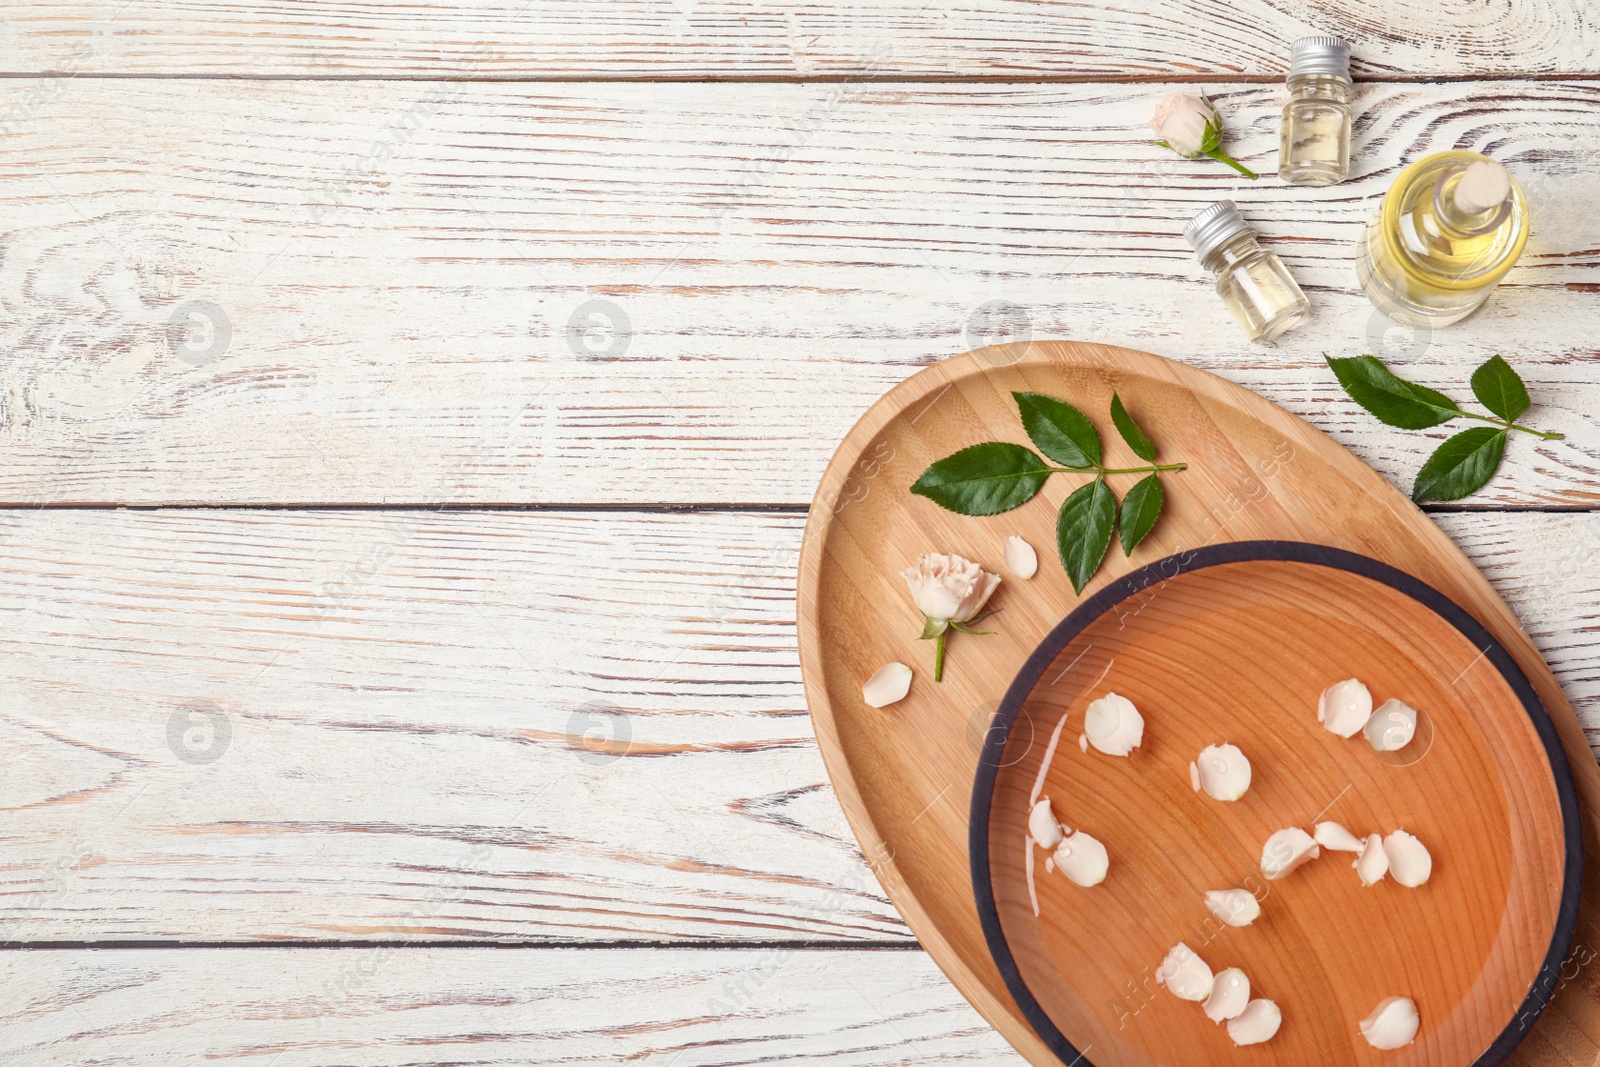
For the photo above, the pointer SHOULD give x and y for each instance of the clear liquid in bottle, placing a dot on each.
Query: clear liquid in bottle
(1314, 148)
(1253, 283)
(1314, 143)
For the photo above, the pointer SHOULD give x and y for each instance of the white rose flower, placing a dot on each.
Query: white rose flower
(1189, 125)
(1181, 120)
(949, 588)
(950, 592)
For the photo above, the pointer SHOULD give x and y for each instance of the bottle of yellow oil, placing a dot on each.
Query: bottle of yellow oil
(1447, 231)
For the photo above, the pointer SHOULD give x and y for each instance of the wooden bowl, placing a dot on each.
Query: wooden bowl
(1234, 643)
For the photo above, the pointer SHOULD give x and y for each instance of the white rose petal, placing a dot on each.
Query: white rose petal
(1392, 1024)
(1331, 835)
(1042, 825)
(1236, 907)
(1230, 992)
(1286, 850)
(1392, 726)
(1409, 861)
(1257, 1023)
(1345, 707)
(1374, 862)
(1185, 974)
(890, 683)
(1019, 556)
(1224, 772)
(1083, 860)
(1113, 725)
(947, 588)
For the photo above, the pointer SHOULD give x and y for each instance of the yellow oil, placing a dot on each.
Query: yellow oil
(1428, 262)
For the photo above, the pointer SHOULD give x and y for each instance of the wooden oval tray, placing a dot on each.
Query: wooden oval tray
(904, 773)
(1235, 642)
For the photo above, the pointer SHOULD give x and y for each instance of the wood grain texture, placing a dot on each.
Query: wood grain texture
(725, 38)
(298, 1007)
(1253, 473)
(404, 725)
(1239, 653)
(407, 696)
(385, 292)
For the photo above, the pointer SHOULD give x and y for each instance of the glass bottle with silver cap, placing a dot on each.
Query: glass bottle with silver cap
(1252, 281)
(1314, 148)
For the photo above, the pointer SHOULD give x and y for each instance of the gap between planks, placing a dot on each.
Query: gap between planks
(666, 508)
(797, 79)
(907, 945)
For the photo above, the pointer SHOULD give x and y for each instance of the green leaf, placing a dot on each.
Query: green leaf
(1142, 446)
(983, 479)
(1140, 510)
(1462, 465)
(1083, 530)
(1061, 431)
(1500, 389)
(1393, 400)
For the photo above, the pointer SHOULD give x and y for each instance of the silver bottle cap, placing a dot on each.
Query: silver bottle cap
(1214, 227)
(1320, 55)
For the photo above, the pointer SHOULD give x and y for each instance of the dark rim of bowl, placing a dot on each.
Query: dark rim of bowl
(989, 762)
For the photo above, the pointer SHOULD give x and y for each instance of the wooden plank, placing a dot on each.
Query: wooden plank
(294, 1007)
(400, 292)
(725, 38)
(415, 725)
(367, 725)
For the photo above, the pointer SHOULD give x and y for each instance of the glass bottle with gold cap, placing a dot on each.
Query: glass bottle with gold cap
(1447, 232)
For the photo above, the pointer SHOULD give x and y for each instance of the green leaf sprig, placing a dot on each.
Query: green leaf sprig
(1464, 463)
(997, 476)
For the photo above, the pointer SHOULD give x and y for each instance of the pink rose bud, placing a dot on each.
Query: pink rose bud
(1181, 120)
(1191, 127)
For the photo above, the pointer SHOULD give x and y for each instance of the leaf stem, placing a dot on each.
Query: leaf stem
(1100, 472)
(938, 657)
(1222, 157)
(1515, 426)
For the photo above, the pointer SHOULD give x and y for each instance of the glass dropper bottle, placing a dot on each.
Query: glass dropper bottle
(1314, 147)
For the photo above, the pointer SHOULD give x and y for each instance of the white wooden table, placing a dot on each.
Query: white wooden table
(409, 414)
